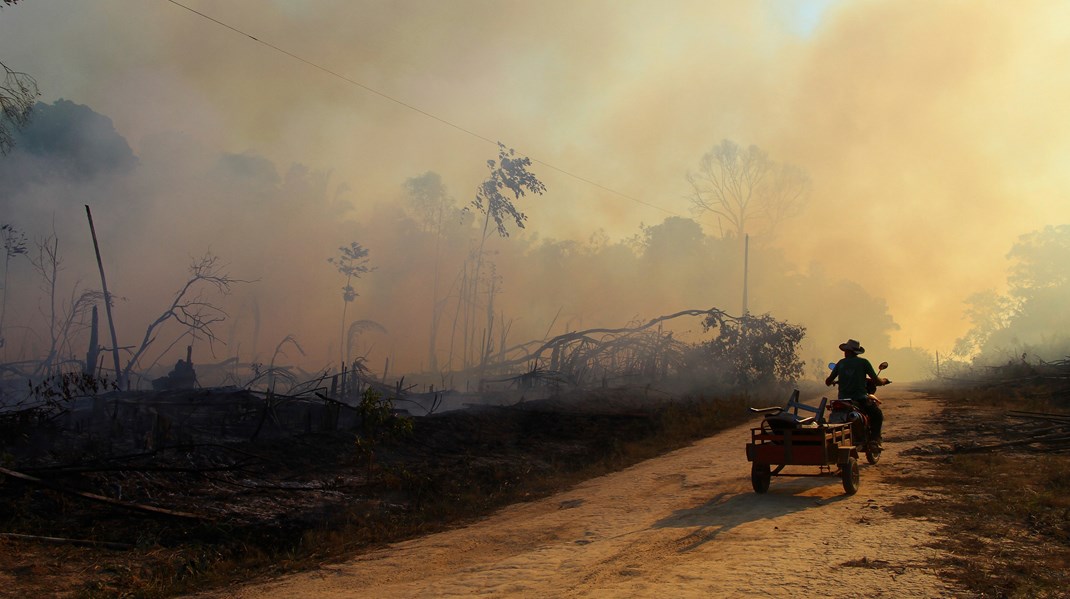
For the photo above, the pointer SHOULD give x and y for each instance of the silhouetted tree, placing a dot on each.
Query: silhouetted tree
(14, 242)
(753, 350)
(18, 92)
(742, 186)
(433, 204)
(508, 181)
(353, 263)
(1032, 315)
(190, 306)
(17, 95)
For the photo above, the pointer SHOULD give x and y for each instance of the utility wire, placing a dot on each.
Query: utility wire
(410, 106)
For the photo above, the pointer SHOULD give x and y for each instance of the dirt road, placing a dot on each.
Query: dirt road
(683, 525)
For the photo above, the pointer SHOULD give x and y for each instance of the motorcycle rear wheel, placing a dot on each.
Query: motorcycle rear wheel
(873, 453)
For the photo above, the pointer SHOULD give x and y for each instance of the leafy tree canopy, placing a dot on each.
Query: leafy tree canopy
(753, 350)
(65, 140)
(1032, 317)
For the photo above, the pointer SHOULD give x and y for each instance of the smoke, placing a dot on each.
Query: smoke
(932, 136)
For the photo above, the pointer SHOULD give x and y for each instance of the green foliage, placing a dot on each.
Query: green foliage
(378, 423)
(752, 350)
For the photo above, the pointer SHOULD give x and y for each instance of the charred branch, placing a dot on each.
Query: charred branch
(136, 507)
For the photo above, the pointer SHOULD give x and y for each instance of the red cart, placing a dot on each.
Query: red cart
(788, 438)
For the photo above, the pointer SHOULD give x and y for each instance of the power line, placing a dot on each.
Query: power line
(425, 113)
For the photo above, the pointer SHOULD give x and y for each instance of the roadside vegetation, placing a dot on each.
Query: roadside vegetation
(356, 491)
(1000, 465)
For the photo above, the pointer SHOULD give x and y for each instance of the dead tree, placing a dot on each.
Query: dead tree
(190, 306)
(62, 320)
(640, 350)
(433, 205)
(14, 244)
(741, 186)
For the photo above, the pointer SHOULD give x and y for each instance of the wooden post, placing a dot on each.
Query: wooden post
(94, 347)
(107, 300)
(746, 260)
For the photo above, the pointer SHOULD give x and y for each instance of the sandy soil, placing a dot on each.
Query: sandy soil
(685, 524)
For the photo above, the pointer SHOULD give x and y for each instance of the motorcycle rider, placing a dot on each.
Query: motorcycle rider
(853, 371)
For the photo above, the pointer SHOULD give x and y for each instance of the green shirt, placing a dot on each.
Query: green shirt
(852, 373)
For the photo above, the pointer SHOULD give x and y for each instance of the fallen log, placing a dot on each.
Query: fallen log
(96, 469)
(136, 507)
(1040, 416)
(1049, 439)
(64, 541)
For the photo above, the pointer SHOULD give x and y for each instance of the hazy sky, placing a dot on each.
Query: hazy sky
(934, 132)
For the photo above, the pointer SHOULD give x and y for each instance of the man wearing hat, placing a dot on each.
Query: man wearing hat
(852, 371)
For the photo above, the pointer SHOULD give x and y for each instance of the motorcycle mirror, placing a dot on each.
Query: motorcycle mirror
(832, 365)
(883, 366)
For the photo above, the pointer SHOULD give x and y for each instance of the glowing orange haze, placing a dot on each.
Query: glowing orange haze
(933, 134)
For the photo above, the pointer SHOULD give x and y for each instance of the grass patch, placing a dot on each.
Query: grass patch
(1006, 511)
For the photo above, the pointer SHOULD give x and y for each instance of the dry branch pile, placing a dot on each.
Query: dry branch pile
(1034, 431)
(1023, 430)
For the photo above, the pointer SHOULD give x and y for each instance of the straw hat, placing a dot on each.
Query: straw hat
(852, 346)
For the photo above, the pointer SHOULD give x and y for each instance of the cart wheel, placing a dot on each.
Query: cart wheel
(760, 477)
(851, 476)
(873, 455)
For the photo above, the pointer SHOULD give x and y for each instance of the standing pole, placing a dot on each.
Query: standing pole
(746, 259)
(94, 347)
(107, 300)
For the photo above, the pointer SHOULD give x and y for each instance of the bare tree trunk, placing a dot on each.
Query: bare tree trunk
(107, 302)
(490, 317)
(504, 336)
(432, 357)
(256, 329)
(456, 316)
(465, 305)
(473, 292)
(46, 264)
(94, 347)
(342, 337)
(436, 304)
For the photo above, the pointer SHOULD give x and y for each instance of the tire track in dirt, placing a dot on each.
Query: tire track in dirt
(686, 524)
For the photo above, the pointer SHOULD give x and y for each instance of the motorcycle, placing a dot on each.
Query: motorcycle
(847, 411)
